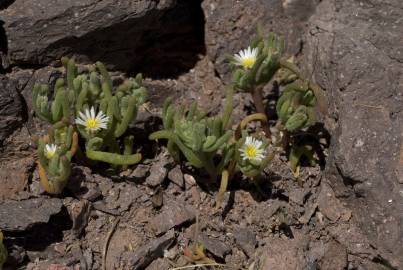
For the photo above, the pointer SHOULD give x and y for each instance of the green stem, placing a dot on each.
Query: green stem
(228, 106)
(223, 188)
(113, 158)
(253, 117)
(208, 165)
(189, 154)
(257, 97)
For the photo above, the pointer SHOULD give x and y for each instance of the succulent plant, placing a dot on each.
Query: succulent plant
(55, 151)
(251, 155)
(55, 111)
(197, 137)
(85, 104)
(257, 65)
(254, 67)
(297, 152)
(296, 107)
(101, 115)
(3, 252)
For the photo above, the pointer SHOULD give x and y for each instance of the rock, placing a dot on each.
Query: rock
(172, 215)
(330, 206)
(246, 239)
(354, 51)
(88, 257)
(285, 254)
(143, 256)
(176, 176)
(119, 243)
(158, 171)
(157, 198)
(309, 212)
(140, 172)
(41, 32)
(268, 210)
(79, 213)
(54, 266)
(190, 181)
(399, 170)
(215, 246)
(45, 265)
(12, 111)
(297, 195)
(81, 184)
(18, 216)
(230, 25)
(14, 176)
(335, 257)
(17, 164)
(45, 75)
(121, 196)
(5, 3)
(159, 264)
(16, 255)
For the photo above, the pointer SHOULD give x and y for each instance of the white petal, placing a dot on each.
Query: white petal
(254, 52)
(80, 122)
(87, 114)
(82, 116)
(92, 112)
(248, 140)
(238, 58)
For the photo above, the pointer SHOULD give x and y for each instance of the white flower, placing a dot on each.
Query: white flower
(92, 122)
(246, 58)
(252, 149)
(50, 150)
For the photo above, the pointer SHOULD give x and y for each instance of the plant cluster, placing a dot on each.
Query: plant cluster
(208, 142)
(86, 106)
(299, 100)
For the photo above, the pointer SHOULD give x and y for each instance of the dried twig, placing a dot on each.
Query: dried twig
(369, 106)
(198, 265)
(108, 238)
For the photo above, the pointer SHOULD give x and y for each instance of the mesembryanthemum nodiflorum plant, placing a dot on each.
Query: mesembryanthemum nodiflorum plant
(257, 64)
(98, 111)
(198, 137)
(252, 154)
(55, 152)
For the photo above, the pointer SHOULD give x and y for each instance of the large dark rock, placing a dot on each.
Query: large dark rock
(125, 34)
(5, 3)
(16, 216)
(230, 25)
(11, 108)
(355, 52)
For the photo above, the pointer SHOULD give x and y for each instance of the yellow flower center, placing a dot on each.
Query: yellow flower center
(92, 123)
(251, 151)
(248, 62)
(50, 154)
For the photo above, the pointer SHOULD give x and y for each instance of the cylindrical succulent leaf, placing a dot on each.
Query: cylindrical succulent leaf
(297, 119)
(3, 251)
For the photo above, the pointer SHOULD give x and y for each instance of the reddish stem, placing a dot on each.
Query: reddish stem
(257, 97)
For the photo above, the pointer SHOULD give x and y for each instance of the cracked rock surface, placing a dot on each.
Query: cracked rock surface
(355, 53)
